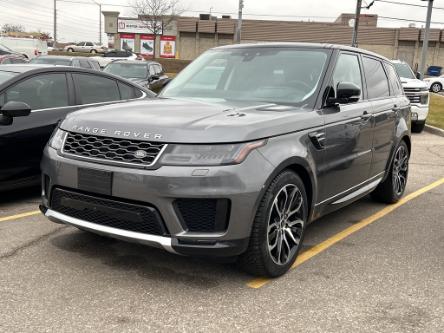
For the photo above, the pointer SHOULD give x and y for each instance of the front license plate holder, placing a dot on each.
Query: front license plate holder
(95, 181)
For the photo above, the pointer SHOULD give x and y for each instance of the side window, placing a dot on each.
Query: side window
(126, 92)
(159, 69)
(347, 69)
(2, 100)
(89, 44)
(76, 63)
(81, 44)
(84, 63)
(153, 70)
(377, 83)
(96, 89)
(394, 80)
(41, 91)
(6, 61)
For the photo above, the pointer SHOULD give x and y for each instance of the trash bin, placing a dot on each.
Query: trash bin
(434, 71)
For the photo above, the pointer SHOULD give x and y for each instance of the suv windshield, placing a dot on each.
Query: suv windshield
(51, 61)
(128, 71)
(272, 75)
(404, 70)
(5, 76)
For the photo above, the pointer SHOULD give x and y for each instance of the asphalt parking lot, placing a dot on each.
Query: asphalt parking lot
(384, 277)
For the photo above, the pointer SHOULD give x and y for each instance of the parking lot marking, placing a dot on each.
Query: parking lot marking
(19, 216)
(315, 250)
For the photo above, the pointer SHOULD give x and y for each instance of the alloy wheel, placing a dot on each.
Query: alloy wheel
(436, 87)
(285, 224)
(400, 170)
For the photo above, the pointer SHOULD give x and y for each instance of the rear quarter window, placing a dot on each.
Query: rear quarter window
(96, 89)
(377, 82)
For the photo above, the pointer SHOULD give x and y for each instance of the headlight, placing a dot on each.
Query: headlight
(208, 155)
(57, 139)
(424, 98)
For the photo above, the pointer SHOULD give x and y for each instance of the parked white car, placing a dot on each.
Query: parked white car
(435, 84)
(86, 47)
(112, 55)
(28, 47)
(417, 92)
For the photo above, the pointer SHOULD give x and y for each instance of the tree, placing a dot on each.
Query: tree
(12, 28)
(157, 14)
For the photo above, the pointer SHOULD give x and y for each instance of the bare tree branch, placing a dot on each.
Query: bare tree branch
(157, 14)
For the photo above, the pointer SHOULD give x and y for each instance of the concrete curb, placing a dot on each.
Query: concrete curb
(434, 130)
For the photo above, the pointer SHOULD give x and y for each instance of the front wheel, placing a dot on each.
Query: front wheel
(278, 228)
(436, 87)
(93, 51)
(393, 187)
(70, 50)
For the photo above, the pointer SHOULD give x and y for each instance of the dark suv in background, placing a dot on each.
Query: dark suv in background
(244, 148)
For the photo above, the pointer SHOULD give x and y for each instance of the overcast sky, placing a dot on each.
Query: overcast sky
(81, 21)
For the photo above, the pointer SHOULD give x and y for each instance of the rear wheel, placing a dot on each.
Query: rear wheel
(436, 87)
(418, 127)
(278, 228)
(70, 50)
(393, 187)
(93, 51)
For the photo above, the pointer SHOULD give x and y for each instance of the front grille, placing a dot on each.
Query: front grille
(108, 212)
(203, 215)
(113, 150)
(414, 95)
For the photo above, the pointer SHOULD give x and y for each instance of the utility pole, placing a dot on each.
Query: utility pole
(356, 26)
(425, 41)
(239, 22)
(100, 24)
(55, 23)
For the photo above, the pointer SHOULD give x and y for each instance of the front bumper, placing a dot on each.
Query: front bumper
(421, 111)
(240, 184)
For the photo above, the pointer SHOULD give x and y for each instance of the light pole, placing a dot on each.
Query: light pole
(425, 41)
(100, 20)
(357, 17)
(239, 22)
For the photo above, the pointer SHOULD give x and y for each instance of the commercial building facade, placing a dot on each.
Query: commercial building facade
(187, 37)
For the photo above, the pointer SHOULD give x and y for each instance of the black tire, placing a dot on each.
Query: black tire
(93, 51)
(418, 127)
(386, 191)
(258, 259)
(436, 87)
(70, 50)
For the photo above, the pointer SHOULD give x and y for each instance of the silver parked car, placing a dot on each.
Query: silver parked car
(87, 47)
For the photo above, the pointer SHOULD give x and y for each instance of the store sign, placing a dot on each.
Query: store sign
(168, 46)
(137, 27)
(127, 42)
(147, 45)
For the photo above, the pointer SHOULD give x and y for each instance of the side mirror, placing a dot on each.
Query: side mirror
(154, 77)
(16, 109)
(418, 75)
(346, 92)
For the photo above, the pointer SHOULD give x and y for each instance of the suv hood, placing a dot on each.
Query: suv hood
(179, 121)
(413, 83)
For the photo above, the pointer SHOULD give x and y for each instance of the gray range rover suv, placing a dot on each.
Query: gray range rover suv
(241, 151)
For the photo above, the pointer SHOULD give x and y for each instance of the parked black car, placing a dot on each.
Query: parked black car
(34, 98)
(149, 74)
(83, 62)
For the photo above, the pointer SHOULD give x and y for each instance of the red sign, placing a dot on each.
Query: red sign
(147, 37)
(168, 46)
(127, 36)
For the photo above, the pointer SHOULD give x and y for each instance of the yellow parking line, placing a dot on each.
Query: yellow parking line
(19, 216)
(315, 250)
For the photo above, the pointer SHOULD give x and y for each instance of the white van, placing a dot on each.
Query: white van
(29, 47)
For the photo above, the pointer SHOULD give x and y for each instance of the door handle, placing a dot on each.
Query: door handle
(365, 115)
(318, 139)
